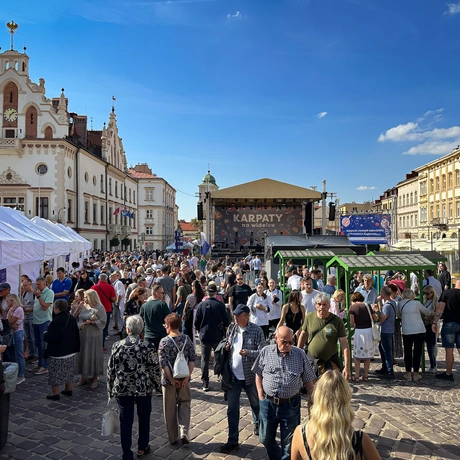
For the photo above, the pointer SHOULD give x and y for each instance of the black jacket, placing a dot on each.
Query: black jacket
(63, 336)
(211, 320)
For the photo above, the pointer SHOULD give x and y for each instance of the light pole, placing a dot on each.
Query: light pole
(41, 170)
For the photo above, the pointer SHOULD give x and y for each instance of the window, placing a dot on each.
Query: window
(48, 132)
(457, 177)
(404, 200)
(411, 221)
(411, 198)
(116, 189)
(457, 204)
(437, 184)
(42, 207)
(438, 214)
(121, 191)
(95, 244)
(102, 183)
(130, 195)
(149, 231)
(102, 214)
(415, 219)
(404, 221)
(69, 211)
(422, 189)
(149, 214)
(149, 195)
(86, 177)
(415, 197)
(450, 211)
(86, 212)
(450, 180)
(110, 186)
(110, 214)
(134, 196)
(431, 212)
(444, 211)
(94, 213)
(444, 185)
(431, 185)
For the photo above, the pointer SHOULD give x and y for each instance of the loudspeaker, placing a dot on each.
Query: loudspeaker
(199, 211)
(308, 222)
(331, 210)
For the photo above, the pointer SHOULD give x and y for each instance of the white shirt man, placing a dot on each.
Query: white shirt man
(293, 281)
(120, 291)
(308, 295)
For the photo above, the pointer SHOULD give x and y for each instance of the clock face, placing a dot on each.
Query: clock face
(10, 114)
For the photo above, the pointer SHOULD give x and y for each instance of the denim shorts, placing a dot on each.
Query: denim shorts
(450, 334)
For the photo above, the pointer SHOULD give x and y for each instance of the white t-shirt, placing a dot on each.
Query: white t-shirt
(275, 308)
(259, 317)
(237, 359)
(308, 302)
(294, 282)
(120, 290)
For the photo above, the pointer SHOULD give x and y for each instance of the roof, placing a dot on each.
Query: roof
(313, 242)
(141, 175)
(209, 179)
(434, 256)
(266, 188)
(314, 253)
(394, 262)
(187, 226)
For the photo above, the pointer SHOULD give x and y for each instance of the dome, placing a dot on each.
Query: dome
(209, 179)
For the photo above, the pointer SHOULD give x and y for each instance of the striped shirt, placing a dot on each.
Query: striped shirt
(283, 376)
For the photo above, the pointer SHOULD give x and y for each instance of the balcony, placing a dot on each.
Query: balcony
(125, 230)
(10, 143)
(114, 229)
(440, 223)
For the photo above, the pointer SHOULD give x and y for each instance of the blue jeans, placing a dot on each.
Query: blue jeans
(126, 407)
(287, 416)
(39, 330)
(18, 341)
(105, 331)
(28, 326)
(233, 407)
(386, 352)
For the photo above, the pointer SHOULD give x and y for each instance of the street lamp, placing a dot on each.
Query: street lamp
(63, 209)
(41, 170)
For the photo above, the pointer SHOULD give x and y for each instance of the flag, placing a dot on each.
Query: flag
(205, 247)
(125, 213)
(131, 216)
(116, 211)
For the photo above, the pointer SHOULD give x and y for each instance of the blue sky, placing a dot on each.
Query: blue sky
(356, 92)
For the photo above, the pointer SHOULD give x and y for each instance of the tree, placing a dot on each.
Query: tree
(197, 224)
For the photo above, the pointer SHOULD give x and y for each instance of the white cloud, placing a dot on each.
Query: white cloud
(237, 15)
(321, 115)
(365, 187)
(453, 8)
(435, 141)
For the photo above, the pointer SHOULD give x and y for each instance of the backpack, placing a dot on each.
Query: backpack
(180, 369)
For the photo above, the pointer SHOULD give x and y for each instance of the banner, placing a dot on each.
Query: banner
(366, 228)
(247, 226)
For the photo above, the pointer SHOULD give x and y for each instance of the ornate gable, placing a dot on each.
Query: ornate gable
(10, 177)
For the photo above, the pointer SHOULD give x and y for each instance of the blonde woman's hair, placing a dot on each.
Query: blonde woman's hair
(93, 298)
(331, 418)
(338, 293)
(15, 298)
(80, 293)
(430, 290)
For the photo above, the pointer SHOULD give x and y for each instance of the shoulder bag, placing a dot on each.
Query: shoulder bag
(376, 335)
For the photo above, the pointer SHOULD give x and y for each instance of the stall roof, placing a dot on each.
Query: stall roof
(434, 256)
(314, 253)
(397, 262)
(315, 241)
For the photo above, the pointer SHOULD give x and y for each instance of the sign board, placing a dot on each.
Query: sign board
(366, 228)
(248, 226)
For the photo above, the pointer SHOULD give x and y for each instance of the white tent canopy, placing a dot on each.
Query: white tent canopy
(182, 245)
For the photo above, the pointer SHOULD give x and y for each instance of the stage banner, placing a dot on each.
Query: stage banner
(366, 228)
(248, 226)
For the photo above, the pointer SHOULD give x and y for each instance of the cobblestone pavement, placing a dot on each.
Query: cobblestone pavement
(407, 420)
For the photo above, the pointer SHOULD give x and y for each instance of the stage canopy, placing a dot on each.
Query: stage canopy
(264, 191)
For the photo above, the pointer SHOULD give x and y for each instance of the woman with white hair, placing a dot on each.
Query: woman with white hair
(133, 373)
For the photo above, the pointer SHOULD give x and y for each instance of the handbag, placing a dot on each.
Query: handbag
(180, 370)
(376, 336)
(7, 339)
(111, 419)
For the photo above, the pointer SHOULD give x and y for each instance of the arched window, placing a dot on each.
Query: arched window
(7, 65)
(10, 95)
(31, 122)
(23, 66)
(48, 132)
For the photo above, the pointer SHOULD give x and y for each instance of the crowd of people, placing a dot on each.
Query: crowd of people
(161, 305)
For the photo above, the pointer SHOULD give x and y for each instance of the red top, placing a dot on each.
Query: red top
(106, 293)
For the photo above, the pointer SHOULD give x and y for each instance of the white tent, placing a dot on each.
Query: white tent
(182, 245)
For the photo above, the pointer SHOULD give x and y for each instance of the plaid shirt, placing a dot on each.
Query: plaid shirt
(283, 376)
(253, 341)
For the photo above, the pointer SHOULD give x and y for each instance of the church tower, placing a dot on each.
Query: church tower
(207, 186)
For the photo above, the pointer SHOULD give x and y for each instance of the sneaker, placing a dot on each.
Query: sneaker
(432, 370)
(445, 376)
(256, 430)
(34, 369)
(34, 361)
(227, 448)
(381, 372)
(184, 439)
(408, 376)
(20, 380)
(206, 388)
(417, 377)
(42, 371)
